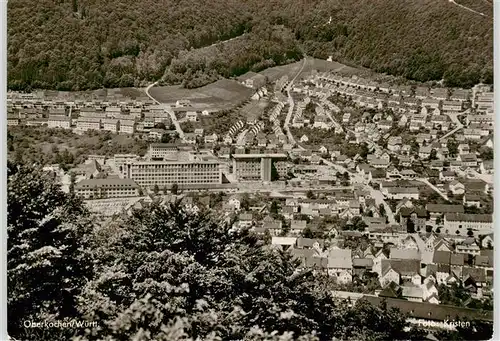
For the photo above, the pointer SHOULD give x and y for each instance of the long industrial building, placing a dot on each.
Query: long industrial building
(169, 167)
(167, 173)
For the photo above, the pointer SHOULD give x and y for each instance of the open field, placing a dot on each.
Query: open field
(223, 94)
(253, 109)
(220, 122)
(275, 73)
(320, 65)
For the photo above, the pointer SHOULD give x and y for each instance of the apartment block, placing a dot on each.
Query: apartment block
(59, 121)
(88, 123)
(111, 124)
(106, 188)
(127, 126)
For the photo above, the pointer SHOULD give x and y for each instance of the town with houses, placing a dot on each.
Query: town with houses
(386, 188)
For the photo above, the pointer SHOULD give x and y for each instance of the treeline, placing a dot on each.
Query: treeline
(166, 274)
(266, 46)
(421, 40)
(75, 45)
(43, 146)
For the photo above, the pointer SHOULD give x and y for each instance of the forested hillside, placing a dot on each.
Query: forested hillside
(81, 44)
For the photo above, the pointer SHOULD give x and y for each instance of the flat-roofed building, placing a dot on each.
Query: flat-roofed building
(452, 106)
(259, 167)
(484, 101)
(88, 123)
(113, 111)
(122, 162)
(167, 173)
(93, 114)
(13, 120)
(127, 126)
(106, 188)
(59, 121)
(162, 150)
(136, 113)
(111, 124)
(57, 112)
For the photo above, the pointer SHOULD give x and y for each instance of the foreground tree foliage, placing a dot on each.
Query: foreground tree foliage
(48, 253)
(76, 45)
(164, 274)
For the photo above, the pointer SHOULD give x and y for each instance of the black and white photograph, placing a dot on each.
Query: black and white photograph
(255, 170)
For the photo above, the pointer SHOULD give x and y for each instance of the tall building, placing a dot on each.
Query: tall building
(259, 167)
(123, 161)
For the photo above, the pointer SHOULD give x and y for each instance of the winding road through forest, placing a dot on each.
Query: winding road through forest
(468, 9)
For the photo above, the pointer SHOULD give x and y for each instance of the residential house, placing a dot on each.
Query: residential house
(437, 165)
(88, 123)
(439, 210)
(469, 160)
(399, 193)
(447, 175)
(245, 220)
(463, 148)
(472, 134)
(394, 143)
(412, 293)
(297, 227)
(192, 116)
(424, 152)
(468, 246)
(408, 174)
(398, 270)
(453, 106)
(234, 202)
(471, 199)
(211, 138)
(405, 161)
(431, 103)
(340, 265)
(456, 187)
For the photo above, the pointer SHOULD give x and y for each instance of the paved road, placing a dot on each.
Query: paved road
(290, 102)
(454, 119)
(375, 194)
(468, 9)
(240, 140)
(434, 188)
(170, 112)
(379, 199)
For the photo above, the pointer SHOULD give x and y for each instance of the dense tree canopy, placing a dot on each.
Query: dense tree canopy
(48, 251)
(78, 44)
